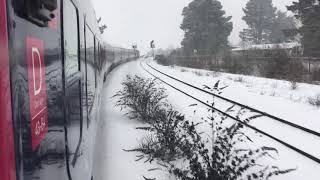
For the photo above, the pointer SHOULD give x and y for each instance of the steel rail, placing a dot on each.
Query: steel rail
(299, 151)
(304, 129)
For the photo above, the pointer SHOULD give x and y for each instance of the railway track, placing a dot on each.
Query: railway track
(280, 120)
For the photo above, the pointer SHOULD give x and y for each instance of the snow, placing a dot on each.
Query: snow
(116, 132)
(273, 96)
(268, 46)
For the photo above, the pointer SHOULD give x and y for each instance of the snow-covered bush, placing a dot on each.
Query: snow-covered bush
(293, 85)
(239, 79)
(198, 73)
(172, 138)
(141, 97)
(315, 101)
(226, 157)
(183, 70)
(164, 60)
(145, 101)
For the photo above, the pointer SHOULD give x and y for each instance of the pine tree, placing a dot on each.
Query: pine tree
(282, 24)
(259, 16)
(308, 11)
(206, 27)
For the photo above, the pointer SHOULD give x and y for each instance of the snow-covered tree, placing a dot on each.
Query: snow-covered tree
(308, 12)
(206, 27)
(259, 16)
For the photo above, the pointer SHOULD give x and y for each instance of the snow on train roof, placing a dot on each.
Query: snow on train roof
(268, 46)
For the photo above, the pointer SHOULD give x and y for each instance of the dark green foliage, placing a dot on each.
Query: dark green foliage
(296, 70)
(206, 27)
(266, 23)
(280, 66)
(236, 65)
(281, 26)
(277, 67)
(259, 16)
(315, 74)
(164, 60)
(308, 11)
(141, 97)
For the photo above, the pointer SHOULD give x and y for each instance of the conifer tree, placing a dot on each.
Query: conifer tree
(259, 16)
(308, 11)
(206, 27)
(282, 24)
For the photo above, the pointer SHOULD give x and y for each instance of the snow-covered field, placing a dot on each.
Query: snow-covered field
(116, 132)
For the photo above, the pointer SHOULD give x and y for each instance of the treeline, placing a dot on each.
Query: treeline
(207, 28)
(277, 66)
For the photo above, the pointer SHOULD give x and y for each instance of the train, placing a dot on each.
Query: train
(53, 62)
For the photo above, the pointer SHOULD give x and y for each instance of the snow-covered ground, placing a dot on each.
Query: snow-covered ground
(116, 132)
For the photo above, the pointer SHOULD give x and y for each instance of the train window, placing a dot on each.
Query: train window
(71, 40)
(73, 104)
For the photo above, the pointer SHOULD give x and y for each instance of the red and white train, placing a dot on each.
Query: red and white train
(52, 64)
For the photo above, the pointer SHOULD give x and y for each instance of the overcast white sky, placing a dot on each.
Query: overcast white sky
(140, 21)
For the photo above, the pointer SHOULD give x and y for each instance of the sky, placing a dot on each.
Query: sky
(140, 21)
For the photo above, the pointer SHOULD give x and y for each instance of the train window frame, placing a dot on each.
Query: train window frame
(77, 76)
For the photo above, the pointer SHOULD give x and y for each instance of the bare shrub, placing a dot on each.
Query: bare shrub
(239, 79)
(214, 74)
(141, 97)
(293, 85)
(224, 160)
(198, 73)
(315, 101)
(172, 138)
(145, 102)
(183, 70)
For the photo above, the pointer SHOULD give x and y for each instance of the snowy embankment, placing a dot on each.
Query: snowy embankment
(116, 132)
(269, 95)
(274, 100)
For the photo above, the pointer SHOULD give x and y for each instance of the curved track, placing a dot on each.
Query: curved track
(304, 129)
(298, 127)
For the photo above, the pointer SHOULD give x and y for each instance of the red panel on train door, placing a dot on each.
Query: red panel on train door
(7, 153)
(37, 90)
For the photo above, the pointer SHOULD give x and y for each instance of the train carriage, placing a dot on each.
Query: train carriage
(52, 63)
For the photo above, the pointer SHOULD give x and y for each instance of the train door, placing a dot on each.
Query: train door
(7, 156)
(73, 103)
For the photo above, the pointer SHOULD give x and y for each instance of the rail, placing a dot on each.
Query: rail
(303, 153)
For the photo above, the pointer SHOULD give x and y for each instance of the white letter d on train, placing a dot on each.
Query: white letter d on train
(36, 70)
